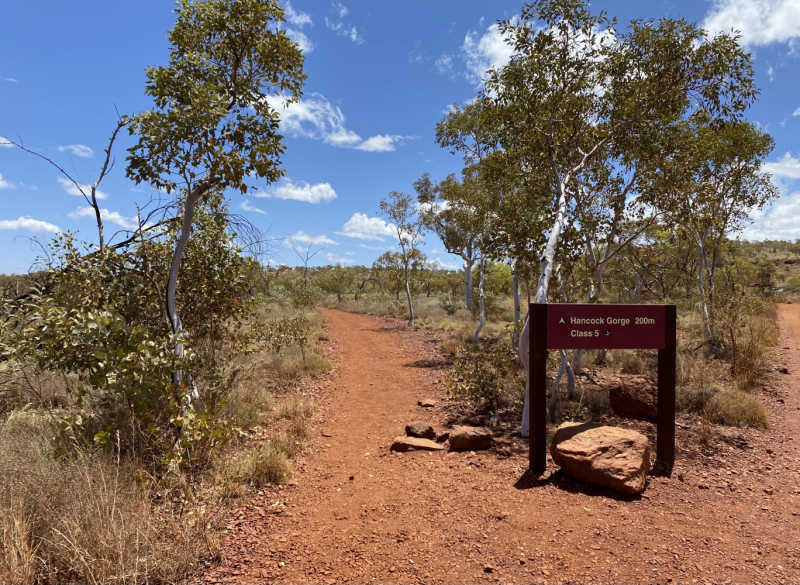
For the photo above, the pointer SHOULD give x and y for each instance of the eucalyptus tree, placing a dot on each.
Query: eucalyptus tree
(400, 211)
(211, 128)
(723, 185)
(459, 212)
(455, 225)
(576, 89)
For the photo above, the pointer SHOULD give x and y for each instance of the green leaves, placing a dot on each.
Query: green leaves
(212, 127)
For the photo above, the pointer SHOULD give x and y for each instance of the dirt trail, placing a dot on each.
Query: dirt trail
(362, 515)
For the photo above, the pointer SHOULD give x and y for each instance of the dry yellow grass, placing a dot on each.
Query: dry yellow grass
(85, 518)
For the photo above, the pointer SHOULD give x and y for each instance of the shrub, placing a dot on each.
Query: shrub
(631, 363)
(483, 374)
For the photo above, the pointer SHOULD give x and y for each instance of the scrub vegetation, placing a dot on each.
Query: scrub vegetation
(150, 378)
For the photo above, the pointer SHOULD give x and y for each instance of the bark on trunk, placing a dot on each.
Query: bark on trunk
(468, 264)
(517, 303)
(482, 318)
(541, 295)
(701, 289)
(408, 296)
(172, 283)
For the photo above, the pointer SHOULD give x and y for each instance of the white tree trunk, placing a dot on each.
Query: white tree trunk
(468, 264)
(701, 289)
(408, 296)
(517, 303)
(172, 283)
(482, 318)
(541, 296)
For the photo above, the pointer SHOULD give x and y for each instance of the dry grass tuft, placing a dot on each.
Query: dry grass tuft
(266, 464)
(452, 345)
(295, 408)
(85, 518)
(246, 404)
(735, 408)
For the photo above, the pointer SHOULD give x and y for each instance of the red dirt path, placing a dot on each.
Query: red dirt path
(728, 513)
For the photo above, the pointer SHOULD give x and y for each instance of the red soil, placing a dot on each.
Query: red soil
(729, 512)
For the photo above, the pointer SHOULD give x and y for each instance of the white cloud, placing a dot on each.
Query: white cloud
(71, 189)
(353, 35)
(786, 167)
(447, 265)
(346, 30)
(301, 191)
(796, 112)
(333, 25)
(247, 206)
(315, 117)
(11, 80)
(306, 46)
(5, 142)
(761, 22)
(334, 259)
(381, 143)
(5, 184)
(296, 18)
(444, 64)
(305, 238)
(77, 150)
(366, 228)
(374, 247)
(771, 73)
(779, 222)
(128, 223)
(26, 223)
(484, 53)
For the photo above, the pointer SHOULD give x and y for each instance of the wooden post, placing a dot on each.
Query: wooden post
(665, 423)
(537, 406)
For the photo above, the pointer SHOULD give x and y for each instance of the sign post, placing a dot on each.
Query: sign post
(562, 326)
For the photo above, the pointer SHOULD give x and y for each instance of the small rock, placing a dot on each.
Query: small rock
(421, 430)
(784, 370)
(606, 456)
(769, 491)
(403, 444)
(488, 569)
(443, 436)
(427, 403)
(634, 396)
(392, 569)
(470, 438)
(327, 435)
(352, 478)
(503, 452)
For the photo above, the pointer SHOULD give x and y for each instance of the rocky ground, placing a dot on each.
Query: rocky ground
(357, 512)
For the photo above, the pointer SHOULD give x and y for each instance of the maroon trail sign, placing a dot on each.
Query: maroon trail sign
(555, 326)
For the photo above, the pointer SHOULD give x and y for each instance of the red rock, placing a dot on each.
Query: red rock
(403, 444)
(606, 456)
(634, 396)
(470, 438)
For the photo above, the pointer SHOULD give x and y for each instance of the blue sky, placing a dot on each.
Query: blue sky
(380, 76)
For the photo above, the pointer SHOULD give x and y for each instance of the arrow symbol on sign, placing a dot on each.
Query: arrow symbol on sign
(561, 320)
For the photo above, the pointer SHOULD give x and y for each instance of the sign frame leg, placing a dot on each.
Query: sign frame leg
(537, 386)
(665, 422)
